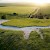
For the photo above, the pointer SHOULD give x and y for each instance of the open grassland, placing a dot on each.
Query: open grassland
(24, 22)
(17, 9)
(14, 40)
(44, 10)
(23, 11)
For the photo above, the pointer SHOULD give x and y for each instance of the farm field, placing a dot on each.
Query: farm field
(10, 40)
(24, 22)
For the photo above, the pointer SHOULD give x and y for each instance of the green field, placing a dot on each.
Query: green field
(14, 40)
(45, 10)
(24, 22)
(17, 9)
(22, 11)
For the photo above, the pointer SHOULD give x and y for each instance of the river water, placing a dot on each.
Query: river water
(26, 30)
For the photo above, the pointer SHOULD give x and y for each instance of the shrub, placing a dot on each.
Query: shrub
(15, 14)
(47, 17)
(40, 16)
(3, 17)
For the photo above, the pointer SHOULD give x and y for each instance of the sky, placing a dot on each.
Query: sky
(26, 1)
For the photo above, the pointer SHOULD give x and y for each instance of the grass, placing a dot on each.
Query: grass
(27, 22)
(36, 43)
(17, 9)
(45, 10)
(11, 40)
(22, 11)
(14, 40)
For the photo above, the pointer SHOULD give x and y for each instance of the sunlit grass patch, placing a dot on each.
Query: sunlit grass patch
(24, 22)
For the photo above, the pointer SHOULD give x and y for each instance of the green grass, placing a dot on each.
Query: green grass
(45, 10)
(14, 40)
(22, 11)
(11, 40)
(24, 22)
(36, 43)
(17, 9)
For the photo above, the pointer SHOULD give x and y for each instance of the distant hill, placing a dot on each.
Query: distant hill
(20, 4)
(16, 4)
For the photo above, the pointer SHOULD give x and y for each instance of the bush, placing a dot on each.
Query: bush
(3, 17)
(40, 16)
(47, 17)
(15, 14)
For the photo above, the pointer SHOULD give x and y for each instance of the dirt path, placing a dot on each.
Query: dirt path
(35, 12)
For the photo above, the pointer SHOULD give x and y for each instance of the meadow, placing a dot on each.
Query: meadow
(23, 11)
(45, 10)
(24, 22)
(18, 16)
(17, 9)
(14, 40)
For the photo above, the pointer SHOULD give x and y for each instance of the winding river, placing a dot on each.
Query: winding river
(26, 30)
